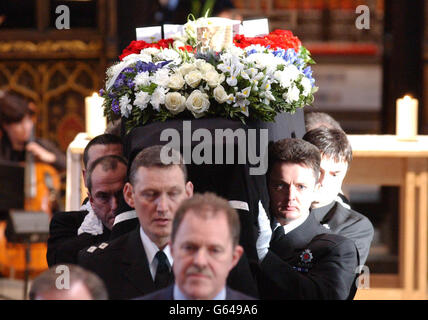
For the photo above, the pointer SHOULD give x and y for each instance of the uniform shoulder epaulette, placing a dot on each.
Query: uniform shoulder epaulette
(91, 249)
(103, 245)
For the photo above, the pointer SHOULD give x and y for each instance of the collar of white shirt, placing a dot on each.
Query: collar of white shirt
(294, 224)
(151, 249)
(178, 295)
(127, 215)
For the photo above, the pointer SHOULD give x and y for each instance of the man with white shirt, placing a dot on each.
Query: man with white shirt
(140, 261)
(303, 260)
(205, 247)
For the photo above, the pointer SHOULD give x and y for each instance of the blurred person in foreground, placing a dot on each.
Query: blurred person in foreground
(67, 282)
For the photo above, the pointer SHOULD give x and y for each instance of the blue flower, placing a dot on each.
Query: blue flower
(130, 83)
(115, 106)
(308, 73)
(119, 82)
(300, 63)
(101, 92)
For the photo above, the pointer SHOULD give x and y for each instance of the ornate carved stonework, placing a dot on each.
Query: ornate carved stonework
(49, 46)
(58, 89)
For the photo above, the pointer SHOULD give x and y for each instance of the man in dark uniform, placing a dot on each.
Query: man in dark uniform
(204, 245)
(303, 260)
(73, 231)
(65, 225)
(139, 262)
(336, 156)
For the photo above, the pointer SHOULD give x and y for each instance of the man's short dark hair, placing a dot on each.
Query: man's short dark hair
(47, 281)
(315, 120)
(13, 108)
(103, 139)
(151, 157)
(296, 151)
(205, 206)
(332, 143)
(108, 162)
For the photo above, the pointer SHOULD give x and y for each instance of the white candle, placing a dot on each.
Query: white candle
(407, 118)
(96, 123)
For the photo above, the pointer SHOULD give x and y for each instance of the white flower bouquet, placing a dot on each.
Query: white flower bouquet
(253, 79)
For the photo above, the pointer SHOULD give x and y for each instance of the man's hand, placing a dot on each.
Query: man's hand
(41, 153)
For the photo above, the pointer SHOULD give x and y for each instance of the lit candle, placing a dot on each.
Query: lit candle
(407, 118)
(96, 123)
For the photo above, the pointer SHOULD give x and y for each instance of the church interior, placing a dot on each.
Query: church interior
(369, 55)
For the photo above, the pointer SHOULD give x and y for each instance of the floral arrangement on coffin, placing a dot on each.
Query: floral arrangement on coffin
(254, 79)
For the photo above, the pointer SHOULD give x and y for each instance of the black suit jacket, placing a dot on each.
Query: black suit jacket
(123, 227)
(326, 272)
(168, 294)
(347, 223)
(123, 266)
(64, 243)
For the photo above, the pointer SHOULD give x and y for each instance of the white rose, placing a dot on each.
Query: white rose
(204, 66)
(292, 95)
(193, 78)
(213, 78)
(175, 102)
(186, 68)
(220, 95)
(176, 81)
(197, 103)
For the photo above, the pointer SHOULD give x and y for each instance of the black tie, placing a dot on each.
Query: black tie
(277, 234)
(162, 276)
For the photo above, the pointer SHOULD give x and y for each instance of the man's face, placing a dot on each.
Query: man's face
(156, 194)
(106, 192)
(331, 179)
(203, 255)
(100, 150)
(291, 191)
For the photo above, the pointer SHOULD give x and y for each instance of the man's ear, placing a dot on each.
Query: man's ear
(128, 194)
(90, 198)
(189, 189)
(237, 253)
